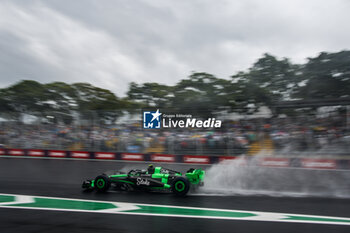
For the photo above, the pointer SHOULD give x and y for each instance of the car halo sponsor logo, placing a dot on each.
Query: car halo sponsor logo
(156, 120)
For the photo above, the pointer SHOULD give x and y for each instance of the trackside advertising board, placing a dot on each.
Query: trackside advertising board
(163, 158)
(57, 153)
(319, 163)
(36, 153)
(277, 162)
(133, 157)
(104, 155)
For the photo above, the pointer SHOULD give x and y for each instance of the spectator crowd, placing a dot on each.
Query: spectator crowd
(288, 135)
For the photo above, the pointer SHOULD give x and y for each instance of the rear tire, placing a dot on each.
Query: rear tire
(180, 186)
(102, 183)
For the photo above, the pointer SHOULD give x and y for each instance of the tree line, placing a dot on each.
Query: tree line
(268, 80)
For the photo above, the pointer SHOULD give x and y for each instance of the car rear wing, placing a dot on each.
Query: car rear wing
(195, 176)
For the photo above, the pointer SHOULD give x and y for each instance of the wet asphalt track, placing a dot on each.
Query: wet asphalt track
(61, 178)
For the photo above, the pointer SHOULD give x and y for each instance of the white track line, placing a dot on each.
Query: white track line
(125, 206)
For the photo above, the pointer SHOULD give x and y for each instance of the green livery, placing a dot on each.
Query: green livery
(151, 179)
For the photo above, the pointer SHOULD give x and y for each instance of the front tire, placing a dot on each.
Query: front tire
(102, 183)
(180, 186)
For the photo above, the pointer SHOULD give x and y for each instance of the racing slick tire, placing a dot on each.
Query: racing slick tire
(180, 186)
(102, 183)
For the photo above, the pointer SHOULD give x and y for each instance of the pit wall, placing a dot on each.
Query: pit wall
(305, 162)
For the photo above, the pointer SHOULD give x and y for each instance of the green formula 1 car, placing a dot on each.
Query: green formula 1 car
(151, 179)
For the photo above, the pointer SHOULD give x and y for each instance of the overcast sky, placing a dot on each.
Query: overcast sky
(111, 43)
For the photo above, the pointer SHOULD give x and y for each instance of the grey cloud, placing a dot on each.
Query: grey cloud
(111, 43)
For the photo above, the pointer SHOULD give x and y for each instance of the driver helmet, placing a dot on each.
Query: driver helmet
(150, 169)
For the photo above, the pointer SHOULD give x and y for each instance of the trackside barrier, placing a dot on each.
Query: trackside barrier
(80, 155)
(319, 163)
(105, 155)
(198, 159)
(57, 153)
(274, 162)
(132, 157)
(2, 152)
(162, 158)
(306, 163)
(36, 153)
(16, 152)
